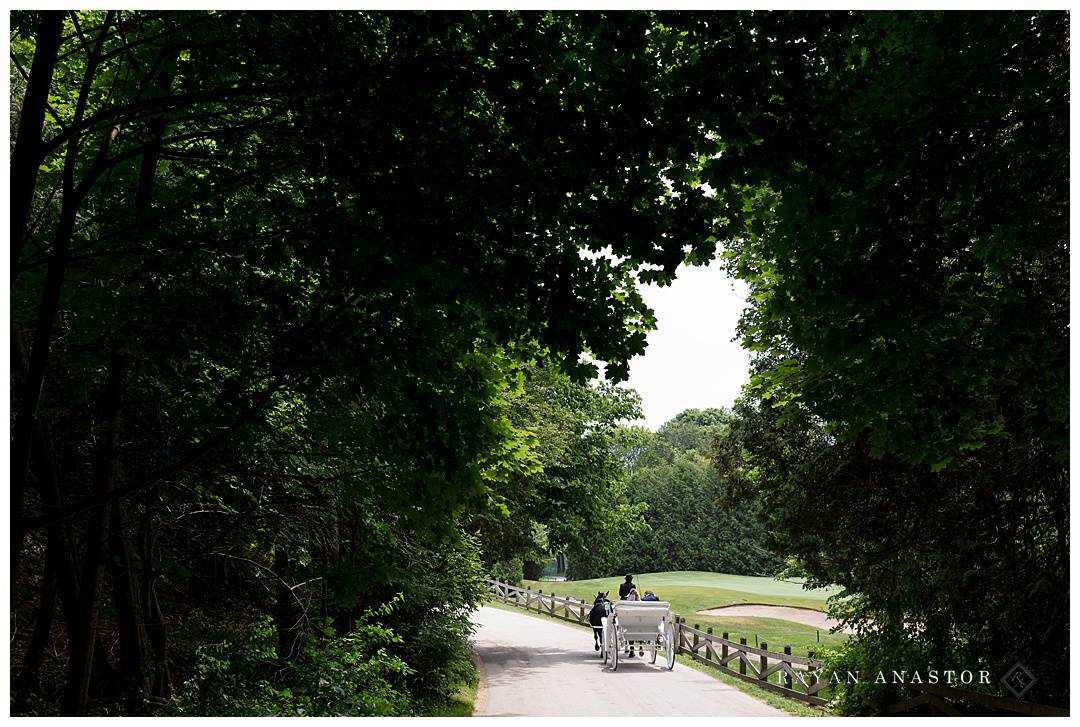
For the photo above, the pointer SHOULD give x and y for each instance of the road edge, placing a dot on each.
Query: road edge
(480, 704)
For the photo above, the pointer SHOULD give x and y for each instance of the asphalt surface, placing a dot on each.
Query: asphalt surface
(534, 667)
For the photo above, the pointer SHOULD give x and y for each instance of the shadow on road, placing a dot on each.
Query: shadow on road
(512, 664)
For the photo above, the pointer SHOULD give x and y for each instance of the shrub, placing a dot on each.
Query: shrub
(884, 652)
(508, 571)
(351, 675)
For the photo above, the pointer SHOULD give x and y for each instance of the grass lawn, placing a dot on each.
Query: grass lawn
(693, 591)
(786, 704)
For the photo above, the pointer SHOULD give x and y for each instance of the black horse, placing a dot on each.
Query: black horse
(596, 615)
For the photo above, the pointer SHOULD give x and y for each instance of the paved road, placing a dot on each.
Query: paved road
(534, 667)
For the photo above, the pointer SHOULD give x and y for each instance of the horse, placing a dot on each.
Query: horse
(596, 615)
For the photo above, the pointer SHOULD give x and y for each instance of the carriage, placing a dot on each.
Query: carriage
(648, 622)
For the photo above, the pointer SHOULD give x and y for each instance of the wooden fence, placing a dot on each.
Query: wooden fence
(936, 700)
(566, 608)
(781, 672)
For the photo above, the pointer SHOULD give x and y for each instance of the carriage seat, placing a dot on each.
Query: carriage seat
(641, 619)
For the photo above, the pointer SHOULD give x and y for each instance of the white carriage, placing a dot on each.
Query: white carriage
(649, 623)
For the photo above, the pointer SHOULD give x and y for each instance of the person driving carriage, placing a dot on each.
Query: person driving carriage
(629, 592)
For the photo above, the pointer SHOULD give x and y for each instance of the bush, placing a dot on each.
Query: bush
(508, 571)
(350, 675)
(433, 618)
(885, 652)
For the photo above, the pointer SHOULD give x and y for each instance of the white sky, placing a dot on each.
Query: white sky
(690, 361)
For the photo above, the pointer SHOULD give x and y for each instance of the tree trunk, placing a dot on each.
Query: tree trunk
(28, 677)
(134, 667)
(286, 615)
(26, 155)
(152, 616)
(25, 420)
(106, 466)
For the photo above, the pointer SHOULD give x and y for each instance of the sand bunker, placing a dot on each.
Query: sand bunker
(807, 616)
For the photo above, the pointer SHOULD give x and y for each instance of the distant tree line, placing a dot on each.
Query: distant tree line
(687, 527)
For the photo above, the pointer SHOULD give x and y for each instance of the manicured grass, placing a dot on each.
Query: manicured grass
(786, 704)
(728, 589)
(693, 591)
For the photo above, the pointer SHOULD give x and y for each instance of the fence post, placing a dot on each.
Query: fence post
(528, 596)
(742, 656)
(697, 637)
(539, 600)
(764, 661)
(723, 647)
(709, 646)
(812, 676)
(787, 677)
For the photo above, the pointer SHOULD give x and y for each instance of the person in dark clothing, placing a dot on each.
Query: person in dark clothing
(625, 591)
(596, 616)
(650, 596)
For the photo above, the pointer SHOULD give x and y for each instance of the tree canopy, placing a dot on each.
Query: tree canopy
(275, 277)
(303, 307)
(906, 426)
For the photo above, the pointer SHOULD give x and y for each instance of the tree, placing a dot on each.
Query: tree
(688, 528)
(905, 428)
(272, 276)
(564, 489)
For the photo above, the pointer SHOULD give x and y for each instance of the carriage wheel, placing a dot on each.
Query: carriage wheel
(669, 644)
(613, 644)
(652, 650)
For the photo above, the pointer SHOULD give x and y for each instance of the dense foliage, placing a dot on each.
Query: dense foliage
(564, 493)
(687, 525)
(300, 305)
(906, 430)
(277, 283)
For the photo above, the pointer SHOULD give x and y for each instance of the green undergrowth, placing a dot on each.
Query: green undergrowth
(461, 702)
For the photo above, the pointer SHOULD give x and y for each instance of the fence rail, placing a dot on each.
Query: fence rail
(949, 701)
(568, 609)
(781, 672)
